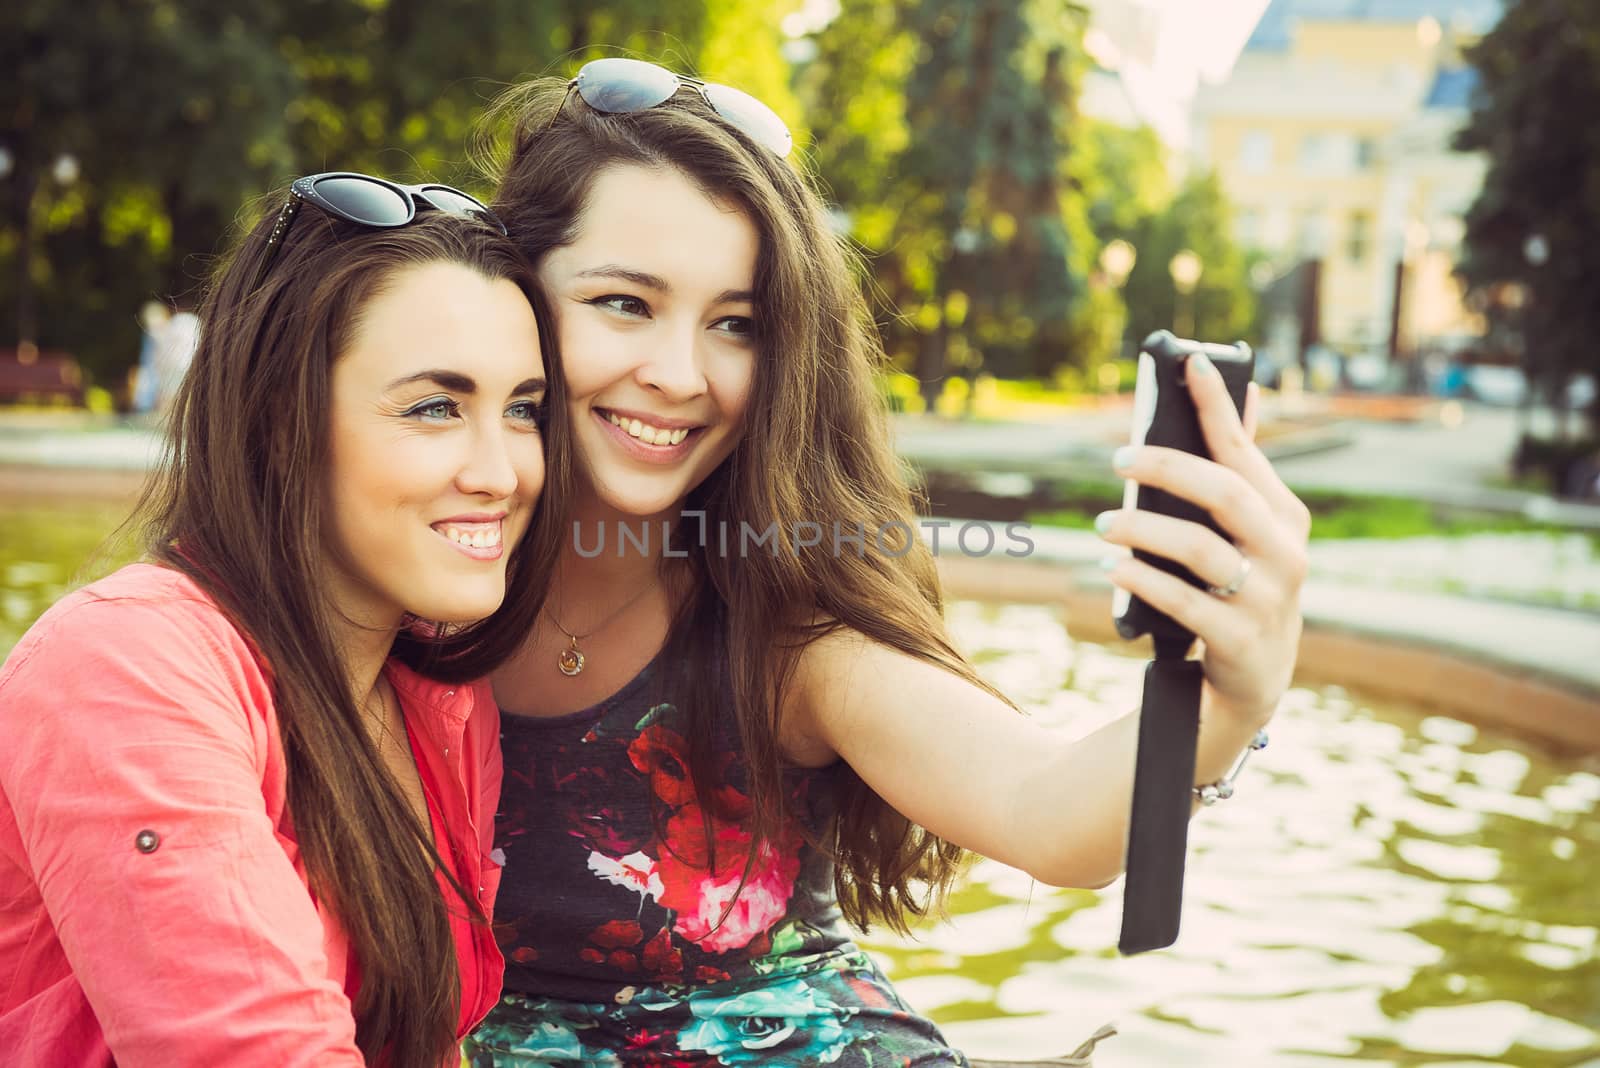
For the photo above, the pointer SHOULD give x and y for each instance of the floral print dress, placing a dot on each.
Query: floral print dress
(614, 950)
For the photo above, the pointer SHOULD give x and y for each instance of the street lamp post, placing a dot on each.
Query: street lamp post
(1536, 253)
(1185, 268)
(1116, 263)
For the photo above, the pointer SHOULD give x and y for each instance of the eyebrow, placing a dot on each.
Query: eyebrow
(659, 284)
(457, 382)
(628, 274)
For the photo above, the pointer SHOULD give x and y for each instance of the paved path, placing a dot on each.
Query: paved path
(1553, 643)
(1462, 464)
(76, 440)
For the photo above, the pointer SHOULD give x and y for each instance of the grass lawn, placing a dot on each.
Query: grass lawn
(1333, 515)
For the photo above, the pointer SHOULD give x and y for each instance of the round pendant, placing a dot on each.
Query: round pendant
(570, 661)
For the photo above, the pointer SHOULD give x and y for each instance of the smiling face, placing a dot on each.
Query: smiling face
(654, 307)
(436, 459)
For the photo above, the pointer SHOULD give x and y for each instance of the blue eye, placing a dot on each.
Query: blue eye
(528, 411)
(435, 409)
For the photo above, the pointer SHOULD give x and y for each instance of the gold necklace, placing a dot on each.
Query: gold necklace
(570, 660)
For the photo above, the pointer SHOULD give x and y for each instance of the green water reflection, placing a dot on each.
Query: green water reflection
(1389, 886)
(47, 549)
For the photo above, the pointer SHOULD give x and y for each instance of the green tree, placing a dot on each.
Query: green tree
(134, 131)
(990, 110)
(1124, 175)
(179, 114)
(943, 131)
(1197, 219)
(1536, 222)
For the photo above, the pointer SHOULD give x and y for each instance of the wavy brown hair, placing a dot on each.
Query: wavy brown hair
(823, 455)
(238, 505)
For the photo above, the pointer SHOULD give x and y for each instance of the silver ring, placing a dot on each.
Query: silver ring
(1238, 580)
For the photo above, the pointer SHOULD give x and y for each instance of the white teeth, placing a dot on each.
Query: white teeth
(650, 435)
(473, 537)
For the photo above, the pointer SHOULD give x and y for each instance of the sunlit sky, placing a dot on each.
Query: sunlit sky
(1194, 39)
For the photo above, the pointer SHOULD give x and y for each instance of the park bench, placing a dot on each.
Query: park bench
(45, 374)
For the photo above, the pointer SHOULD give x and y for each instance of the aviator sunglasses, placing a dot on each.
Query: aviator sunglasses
(369, 201)
(622, 86)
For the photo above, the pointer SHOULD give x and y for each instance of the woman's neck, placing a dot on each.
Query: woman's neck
(609, 553)
(363, 647)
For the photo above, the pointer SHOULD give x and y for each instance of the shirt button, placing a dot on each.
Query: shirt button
(447, 750)
(146, 841)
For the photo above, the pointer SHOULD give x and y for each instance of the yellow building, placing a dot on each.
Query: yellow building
(1332, 138)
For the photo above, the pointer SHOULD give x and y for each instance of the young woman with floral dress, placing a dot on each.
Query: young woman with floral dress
(739, 725)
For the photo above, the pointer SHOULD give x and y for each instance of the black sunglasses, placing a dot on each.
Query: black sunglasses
(369, 201)
(622, 86)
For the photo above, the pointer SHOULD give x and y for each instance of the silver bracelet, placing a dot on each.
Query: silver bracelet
(1212, 792)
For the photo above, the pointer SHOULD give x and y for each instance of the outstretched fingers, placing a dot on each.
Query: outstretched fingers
(1234, 502)
(1232, 442)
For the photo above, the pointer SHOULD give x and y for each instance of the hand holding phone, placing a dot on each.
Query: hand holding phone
(1164, 414)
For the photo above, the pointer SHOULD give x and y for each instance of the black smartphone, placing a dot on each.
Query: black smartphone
(1164, 414)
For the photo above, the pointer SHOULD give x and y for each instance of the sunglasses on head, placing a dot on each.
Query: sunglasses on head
(369, 201)
(623, 86)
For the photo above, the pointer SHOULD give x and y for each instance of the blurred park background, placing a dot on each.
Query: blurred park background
(1377, 195)
(1395, 202)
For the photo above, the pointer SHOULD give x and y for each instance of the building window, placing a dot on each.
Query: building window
(1312, 240)
(1314, 152)
(1366, 153)
(1358, 239)
(1255, 152)
(1328, 153)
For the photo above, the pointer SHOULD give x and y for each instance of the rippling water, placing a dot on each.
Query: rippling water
(1389, 887)
(44, 549)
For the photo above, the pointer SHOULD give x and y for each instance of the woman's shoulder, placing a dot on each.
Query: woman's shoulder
(140, 613)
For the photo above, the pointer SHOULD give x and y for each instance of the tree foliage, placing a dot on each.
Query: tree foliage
(1536, 223)
(950, 135)
(946, 132)
(946, 140)
(1197, 218)
(178, 115)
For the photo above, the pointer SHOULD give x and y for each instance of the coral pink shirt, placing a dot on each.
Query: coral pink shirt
(153, 905)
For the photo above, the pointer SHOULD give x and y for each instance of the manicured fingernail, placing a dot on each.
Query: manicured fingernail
(1122, 459)
(1102, 522)
(1109, 563)
(1202, 363)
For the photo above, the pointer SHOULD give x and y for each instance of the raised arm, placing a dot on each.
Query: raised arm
(960, 763)
(969, 768)
(137, 770)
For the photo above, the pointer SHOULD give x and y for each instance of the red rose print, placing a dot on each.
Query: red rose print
(700, 896)
(617, 933)
(661, 959)
(663, 755)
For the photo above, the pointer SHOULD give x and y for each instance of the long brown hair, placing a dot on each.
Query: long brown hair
(823, 455)
(238, 505)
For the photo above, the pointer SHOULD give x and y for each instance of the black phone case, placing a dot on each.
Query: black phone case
(1162, 397)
